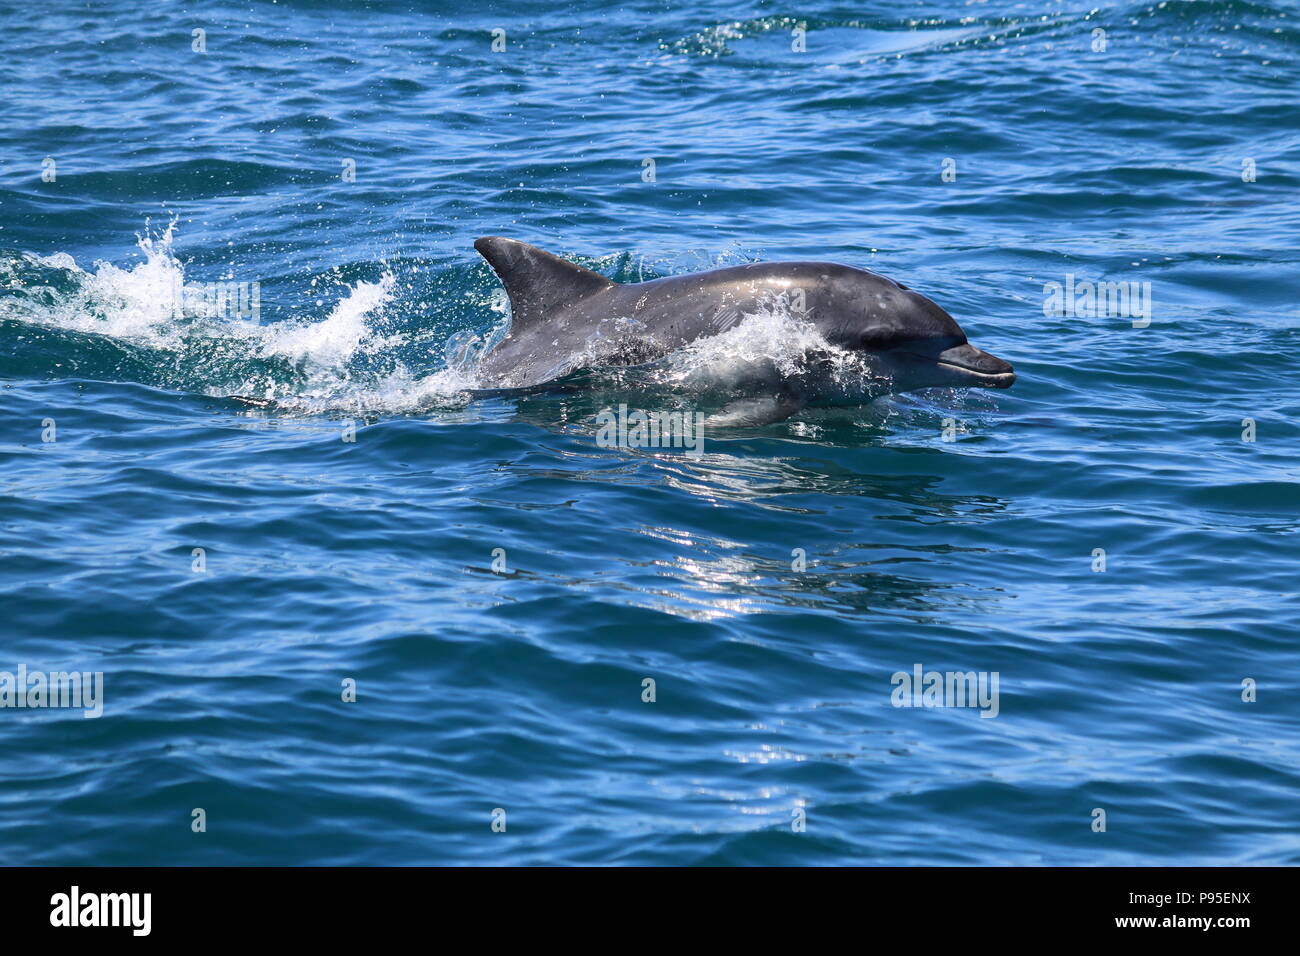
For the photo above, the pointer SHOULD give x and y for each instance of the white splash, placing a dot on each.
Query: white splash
(333, 342)
(141, 303)
(147, 305)
(773, 342)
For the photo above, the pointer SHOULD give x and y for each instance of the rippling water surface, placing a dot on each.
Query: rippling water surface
(1162, 150)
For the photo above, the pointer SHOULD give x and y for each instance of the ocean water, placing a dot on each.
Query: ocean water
(497, 586)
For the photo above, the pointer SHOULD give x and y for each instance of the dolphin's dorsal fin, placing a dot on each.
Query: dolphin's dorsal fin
(538, 283)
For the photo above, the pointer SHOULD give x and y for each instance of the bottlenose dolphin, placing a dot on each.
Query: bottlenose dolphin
(565, 318)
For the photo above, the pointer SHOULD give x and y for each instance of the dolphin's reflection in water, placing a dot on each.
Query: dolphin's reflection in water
(868, 542)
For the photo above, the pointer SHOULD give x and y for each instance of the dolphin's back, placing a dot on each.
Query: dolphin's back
(565, 317)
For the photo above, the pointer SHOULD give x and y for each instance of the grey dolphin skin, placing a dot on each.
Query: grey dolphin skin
(565, 317)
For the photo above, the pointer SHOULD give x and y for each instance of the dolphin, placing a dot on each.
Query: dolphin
(565, 318)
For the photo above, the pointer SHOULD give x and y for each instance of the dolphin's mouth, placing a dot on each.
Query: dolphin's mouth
(981, 379)
(976, 367)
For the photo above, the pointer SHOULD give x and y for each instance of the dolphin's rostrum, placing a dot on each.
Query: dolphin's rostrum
(559, 309)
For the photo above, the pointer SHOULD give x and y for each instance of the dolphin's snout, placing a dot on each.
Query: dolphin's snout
(987, 370)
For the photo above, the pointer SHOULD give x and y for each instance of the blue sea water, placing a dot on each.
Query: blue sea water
(231, 571)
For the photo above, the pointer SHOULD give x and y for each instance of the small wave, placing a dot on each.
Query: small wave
(839, 41)
(344, 362)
